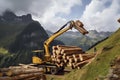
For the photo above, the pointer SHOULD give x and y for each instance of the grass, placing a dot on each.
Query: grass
(54, 77)
(3, 51)
(101, 65)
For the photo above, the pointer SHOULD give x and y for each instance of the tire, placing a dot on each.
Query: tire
(62, 68)
(53, 70)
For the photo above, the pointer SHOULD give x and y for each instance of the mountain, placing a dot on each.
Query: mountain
(12, 25)
(96, 34)
(83, 41)
(19, 36)
(100, 68)
(30, 38)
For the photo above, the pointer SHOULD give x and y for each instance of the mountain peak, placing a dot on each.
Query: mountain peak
(8, 13)
(27, 17)
(9, 16)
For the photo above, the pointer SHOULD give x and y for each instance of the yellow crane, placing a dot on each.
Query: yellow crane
(47, 63)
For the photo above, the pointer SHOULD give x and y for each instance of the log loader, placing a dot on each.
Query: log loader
(47, 64)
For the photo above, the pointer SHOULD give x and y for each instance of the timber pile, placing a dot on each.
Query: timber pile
(22, 72)
(72, 56)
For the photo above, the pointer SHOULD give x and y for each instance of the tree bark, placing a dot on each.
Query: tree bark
(22, 76)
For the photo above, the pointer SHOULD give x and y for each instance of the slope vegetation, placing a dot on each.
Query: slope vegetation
(101, 65)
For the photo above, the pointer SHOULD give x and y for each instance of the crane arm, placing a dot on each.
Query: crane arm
(76, 24)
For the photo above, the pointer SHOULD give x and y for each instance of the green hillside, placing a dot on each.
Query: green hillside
(101, 65)
(19, 35)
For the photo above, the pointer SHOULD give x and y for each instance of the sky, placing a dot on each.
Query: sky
(100, 15)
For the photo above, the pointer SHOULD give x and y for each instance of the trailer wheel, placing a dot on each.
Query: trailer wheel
(62, 68)
(53, 70)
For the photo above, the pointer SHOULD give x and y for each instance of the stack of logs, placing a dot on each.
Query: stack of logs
(22, 72)
(72, 56)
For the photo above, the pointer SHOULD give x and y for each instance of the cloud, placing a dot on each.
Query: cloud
(102, 16)
(20, 7)
(4, 5)
(50, 19)
(45, 11)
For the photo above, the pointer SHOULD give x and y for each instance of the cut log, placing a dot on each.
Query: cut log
(59, 56)
(65, 46)
(82, 63)
(71, 60)
(52, 56)
(78, 56)
(4, 69)
(70, 51)
(22, 66)
(64, 56)
(23, 71)
(6, 78)
(58, 64)
(87, 56)
(70, 64)
(54, 47)
(77, 60)
(72, 55)
(68, 57)
(26, 64)
(15, 67)
(61, 47)
(57, 52)
(21, 77)
(59, 60)
(54, 52)
(78, 67)
(61, 64)
(65, 61)
(75, 55)
(24, 76)
(69, 54)
(3, 74)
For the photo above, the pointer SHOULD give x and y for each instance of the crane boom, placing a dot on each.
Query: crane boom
(76, 24)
